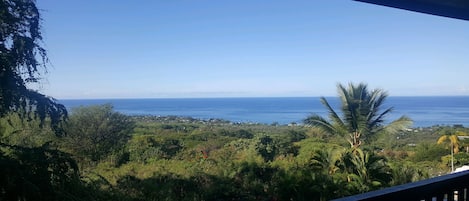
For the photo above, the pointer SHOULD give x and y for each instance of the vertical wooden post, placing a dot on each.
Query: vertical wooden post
(450, 195)
(440, 196)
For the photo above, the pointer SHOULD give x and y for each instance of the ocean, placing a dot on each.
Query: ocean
(424, 111)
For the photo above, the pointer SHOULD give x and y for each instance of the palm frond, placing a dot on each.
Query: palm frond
(320, 122)
(332, 114)
(442, 139)
(455, 140)
(327, 160)
(362, 113)
(349, 107)
(376, 100)
(379, 119)
(398, 125)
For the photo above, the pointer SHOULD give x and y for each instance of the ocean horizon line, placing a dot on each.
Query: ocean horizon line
(250, 97)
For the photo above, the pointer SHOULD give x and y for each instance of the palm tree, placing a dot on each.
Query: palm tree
(365, 170)
(329, 178)
(361, 114)
(454, 142)
(327, 160)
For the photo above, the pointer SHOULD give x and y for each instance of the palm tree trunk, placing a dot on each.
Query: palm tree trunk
(355, 141)
(452, 157)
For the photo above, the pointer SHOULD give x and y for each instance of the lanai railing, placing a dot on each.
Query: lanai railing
(451, 187)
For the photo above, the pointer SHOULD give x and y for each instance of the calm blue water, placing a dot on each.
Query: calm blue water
(425, 111)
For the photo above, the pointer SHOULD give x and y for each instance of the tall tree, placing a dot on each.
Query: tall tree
(362, 114)
(29, 173)
(94, 132)
(454, 142)
(22, 62)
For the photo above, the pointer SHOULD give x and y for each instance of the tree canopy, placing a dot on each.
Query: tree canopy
(96, 131)
(23, 61)
(362, 114)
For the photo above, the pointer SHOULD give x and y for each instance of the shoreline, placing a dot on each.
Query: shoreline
(219, 121)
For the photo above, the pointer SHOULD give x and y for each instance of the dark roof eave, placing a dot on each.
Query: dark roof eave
(458, 9)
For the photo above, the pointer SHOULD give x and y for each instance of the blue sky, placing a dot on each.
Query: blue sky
(248, 48)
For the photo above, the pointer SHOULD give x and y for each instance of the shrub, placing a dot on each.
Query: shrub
(94, 132)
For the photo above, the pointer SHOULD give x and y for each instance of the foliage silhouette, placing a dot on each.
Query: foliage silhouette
(22, 59)
(35, 173)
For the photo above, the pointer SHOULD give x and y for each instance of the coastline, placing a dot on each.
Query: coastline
(425, 111)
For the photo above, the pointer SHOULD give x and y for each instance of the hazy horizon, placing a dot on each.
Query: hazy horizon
(246, 97)
(180, 49)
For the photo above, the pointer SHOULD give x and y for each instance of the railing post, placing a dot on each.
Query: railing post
(427, 198)
(450, 195)
(464, 194)
(457, 194)
(461, 194)
(440, 196)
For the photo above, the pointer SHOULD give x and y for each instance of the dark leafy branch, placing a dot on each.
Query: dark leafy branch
(22, 61)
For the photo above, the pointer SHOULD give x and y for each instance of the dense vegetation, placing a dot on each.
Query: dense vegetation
(173, 158)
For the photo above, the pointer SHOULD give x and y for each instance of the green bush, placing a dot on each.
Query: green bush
(428, 152)
(95, 132)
